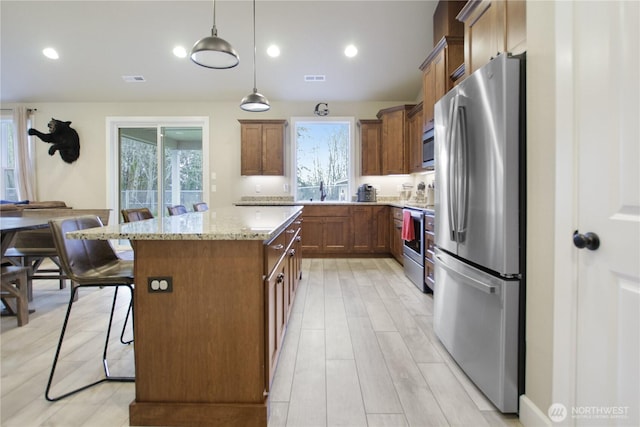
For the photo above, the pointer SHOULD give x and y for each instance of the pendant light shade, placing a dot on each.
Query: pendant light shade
(254, 102)
(214, 52)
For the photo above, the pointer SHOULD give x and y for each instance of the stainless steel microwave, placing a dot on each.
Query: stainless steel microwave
(428, 149)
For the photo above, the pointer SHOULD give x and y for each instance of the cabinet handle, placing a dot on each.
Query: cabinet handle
(278, 247)
(290, 231)
(298, 222)
(292, 252)
(280, 278)
(299, 238)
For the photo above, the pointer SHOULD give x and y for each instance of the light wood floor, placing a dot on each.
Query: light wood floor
(359, 351)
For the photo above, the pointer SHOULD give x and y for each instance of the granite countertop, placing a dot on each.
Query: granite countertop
(229, 223)
(287, 202)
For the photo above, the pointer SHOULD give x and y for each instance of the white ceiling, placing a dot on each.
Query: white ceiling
(101, 41)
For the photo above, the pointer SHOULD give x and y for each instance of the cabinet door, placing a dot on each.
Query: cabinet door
(312, 235)
(393, 137)
(428, 87)
(272, 149)
(440, 75)
(362, 230)
(371, 140)
(415, 141)
(251, 149)
(381, 229)
(336, 234)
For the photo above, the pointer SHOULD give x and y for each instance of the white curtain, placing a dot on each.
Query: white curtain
(25, 154)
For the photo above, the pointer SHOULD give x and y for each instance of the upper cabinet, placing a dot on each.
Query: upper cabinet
(491, 27)
(415, 139)
(371, 144)
(395, 139)
(439, 74)
(262, 147)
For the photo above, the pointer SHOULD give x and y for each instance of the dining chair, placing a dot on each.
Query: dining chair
(176, 210)
(88, 263)
(200, 207)
(136, 214)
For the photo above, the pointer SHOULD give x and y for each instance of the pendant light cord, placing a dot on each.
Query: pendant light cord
(255, 88)
(214, 30)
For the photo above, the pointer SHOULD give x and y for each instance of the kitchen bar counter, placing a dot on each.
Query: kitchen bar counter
(229, 223)
(206, 345)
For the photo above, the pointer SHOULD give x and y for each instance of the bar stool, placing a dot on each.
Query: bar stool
(88, 263)
(200, 207)
(136, 214)
(177, 210)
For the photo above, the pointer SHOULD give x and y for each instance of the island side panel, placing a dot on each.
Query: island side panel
(204, 341)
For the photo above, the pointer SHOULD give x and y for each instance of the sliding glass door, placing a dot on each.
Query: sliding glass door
(157, 164)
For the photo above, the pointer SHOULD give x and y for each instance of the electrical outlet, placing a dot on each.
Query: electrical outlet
(258, 188)
(160, 284)
(285, 187)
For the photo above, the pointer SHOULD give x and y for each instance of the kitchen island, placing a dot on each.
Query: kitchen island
(213, 292)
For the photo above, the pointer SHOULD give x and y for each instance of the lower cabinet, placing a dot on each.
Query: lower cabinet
(429, 249)
(327, 229)
(396, 243)
(283, 258)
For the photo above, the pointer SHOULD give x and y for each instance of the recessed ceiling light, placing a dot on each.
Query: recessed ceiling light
(273, 51)
(351, 51)
(180, 52)
(50, 53)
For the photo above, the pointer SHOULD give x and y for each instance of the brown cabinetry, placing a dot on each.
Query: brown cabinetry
(371, 146)
(439, 71)
(492, 27)
(415, 139)
(326, 230)
(396, 234)
(429, 248)
(262, 147)
(395, 137)
(283, 271)
(370, 229)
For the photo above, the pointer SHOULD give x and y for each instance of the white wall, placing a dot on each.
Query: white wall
(83, 183)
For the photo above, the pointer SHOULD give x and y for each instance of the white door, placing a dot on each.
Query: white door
(605, 128)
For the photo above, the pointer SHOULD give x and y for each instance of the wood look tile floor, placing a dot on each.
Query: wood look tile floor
(359, 351)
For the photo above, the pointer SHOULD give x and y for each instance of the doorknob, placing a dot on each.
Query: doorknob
(588, 240)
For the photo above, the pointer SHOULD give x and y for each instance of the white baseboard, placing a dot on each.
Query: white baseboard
(531, 416)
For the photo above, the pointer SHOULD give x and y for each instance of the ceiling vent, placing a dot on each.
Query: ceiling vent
(133, 79)
(314, 78)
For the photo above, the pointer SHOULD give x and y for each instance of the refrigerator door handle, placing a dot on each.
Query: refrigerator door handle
(452, 188)
(463, 168)
(486, 288)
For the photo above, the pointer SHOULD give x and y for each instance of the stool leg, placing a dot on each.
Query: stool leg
(105, 364)
(126, 319)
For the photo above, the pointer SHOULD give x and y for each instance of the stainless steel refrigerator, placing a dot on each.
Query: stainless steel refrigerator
(479, 262)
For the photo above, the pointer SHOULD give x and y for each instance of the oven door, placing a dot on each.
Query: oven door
(414, 249)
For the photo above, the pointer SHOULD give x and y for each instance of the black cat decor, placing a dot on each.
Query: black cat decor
(64, 139)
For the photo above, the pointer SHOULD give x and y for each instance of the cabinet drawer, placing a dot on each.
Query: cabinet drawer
(274, 251)
(429, 245)
(429, 223)
(429, 273)
(397, 213)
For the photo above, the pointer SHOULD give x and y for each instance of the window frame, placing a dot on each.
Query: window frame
(352, 150)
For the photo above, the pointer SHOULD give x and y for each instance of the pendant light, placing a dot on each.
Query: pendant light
(254, 102)
(214, 52)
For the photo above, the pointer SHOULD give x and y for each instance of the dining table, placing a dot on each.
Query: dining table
(9, 226)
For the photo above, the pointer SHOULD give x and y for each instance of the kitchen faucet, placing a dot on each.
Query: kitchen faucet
(323, 194)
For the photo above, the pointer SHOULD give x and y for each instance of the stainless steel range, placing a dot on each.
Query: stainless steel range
(413, 250)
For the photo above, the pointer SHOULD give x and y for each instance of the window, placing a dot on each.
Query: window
(322, 159)
(157, 163)
(7, 158)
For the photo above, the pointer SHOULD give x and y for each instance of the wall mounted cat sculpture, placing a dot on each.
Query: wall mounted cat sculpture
(64, 139)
